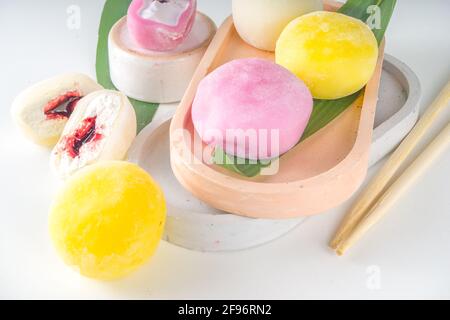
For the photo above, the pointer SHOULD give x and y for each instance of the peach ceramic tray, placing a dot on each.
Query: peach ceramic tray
(194, 225)
(316, 175)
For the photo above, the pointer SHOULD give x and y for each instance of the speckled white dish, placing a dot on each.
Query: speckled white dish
(194, 225)
(398, 107)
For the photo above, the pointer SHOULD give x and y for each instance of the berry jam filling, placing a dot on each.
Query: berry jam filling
(62, 106)
(86, 132)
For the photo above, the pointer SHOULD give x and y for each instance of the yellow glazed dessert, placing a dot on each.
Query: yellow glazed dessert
(334, 54)
(108, 219)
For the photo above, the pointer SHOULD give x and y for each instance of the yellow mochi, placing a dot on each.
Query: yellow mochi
(334, 54)
(108, 219)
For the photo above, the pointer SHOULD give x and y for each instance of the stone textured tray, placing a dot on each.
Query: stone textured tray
(194, 225)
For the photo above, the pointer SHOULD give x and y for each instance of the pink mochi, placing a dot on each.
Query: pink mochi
(252, 96)
(160, 25)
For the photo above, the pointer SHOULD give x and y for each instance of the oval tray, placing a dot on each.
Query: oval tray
(292, 190)
(194, 225)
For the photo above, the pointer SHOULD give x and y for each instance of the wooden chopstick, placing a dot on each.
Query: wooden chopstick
(381, 182)
(396, 190)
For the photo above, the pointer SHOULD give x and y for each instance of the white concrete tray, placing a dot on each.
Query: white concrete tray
(397, 109)
(194, 225)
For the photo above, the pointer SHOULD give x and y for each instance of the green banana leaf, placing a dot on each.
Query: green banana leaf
(324, 111)
(112, 12)
(249, 168)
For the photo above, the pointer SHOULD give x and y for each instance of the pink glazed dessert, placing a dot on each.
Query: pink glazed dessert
(252, 108)
(160, 25)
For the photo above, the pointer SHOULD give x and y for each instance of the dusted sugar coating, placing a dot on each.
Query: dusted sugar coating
(334, 54)
(256, 97)
(260, 22)
(160, 25)
(108, 219)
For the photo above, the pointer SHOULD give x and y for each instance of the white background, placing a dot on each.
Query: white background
(410, 248)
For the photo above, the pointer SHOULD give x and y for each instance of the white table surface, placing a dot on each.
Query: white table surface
(406, 256)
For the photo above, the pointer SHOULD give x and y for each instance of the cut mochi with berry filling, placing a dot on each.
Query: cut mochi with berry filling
(102, 127)
(161, 25)
(41, 111)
